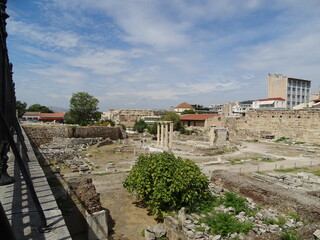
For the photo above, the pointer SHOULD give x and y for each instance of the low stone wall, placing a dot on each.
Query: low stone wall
(298, 125)
(43, 134)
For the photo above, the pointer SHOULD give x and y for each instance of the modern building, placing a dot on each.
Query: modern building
(242, 107)
(52, 117)
(294, 91)
(31, 116)
(269, 104)
(150, 120)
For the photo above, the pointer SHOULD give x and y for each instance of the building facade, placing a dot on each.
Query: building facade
(294, 91)
(269, 104)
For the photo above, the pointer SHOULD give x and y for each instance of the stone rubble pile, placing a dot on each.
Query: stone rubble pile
(191, 226)
(301, 180)
(69, 151)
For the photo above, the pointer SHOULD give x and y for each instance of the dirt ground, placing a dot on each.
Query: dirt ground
(128, 220)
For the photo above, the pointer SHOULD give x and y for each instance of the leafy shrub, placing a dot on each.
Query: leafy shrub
(140, 126)
(225, 223)
(204, 206)
(230, 199)
(167, 183)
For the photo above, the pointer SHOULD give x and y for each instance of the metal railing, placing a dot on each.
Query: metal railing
(9, 125)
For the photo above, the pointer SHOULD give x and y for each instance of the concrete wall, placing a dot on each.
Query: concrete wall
(300, 125)
(43, 134)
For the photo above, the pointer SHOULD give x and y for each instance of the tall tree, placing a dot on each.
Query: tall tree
(39, 108)
(21, 108)
(175, 118)
(83, 108)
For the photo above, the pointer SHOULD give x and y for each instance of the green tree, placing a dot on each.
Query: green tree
(188, 111)
(39, 108)
(167, 183)
(175, 118)
(140, 126)
(21, 108)
(83, 108)
(199, 107)
(153, 128)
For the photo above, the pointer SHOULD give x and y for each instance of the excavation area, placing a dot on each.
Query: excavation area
(280, 176)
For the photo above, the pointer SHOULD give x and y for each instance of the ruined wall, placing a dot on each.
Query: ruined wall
(300, 125)
(43, 134)
(129, 117)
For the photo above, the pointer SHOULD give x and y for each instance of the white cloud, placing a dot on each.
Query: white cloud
(39, 35)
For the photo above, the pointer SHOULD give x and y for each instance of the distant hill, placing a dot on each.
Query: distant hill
(58, 109)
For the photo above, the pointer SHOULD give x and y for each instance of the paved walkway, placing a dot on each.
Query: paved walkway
(20, 209)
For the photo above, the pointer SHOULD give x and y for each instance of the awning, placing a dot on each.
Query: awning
(267, 102)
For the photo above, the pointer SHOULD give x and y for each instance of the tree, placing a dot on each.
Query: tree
(167, 183)
(83, 108)
(140, 126)
(188, 111)
(199, 107)
(175, 118)
(21, 108)
(153, 129)
(39, 108)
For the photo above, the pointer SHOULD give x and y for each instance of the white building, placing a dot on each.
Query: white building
(269, 103)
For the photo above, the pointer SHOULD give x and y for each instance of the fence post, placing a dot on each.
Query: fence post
(275, 167)
(295, 165)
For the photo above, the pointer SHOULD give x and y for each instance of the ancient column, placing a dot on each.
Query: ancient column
(162, 131)
(166, 135)
(171, 135)
(158, 133)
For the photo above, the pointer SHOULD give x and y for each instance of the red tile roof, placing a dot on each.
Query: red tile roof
(184, 105)
(197, 117)
(271, 99)
(55, 115)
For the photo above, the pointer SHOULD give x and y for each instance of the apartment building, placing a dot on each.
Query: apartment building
(294, 91)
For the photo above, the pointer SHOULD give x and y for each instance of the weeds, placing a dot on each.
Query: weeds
(290, 235)
(224, 224)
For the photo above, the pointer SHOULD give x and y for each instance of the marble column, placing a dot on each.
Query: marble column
(158, 133)
(171, 135)
(166, 135)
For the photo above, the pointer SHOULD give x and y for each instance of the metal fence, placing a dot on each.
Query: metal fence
(10, 132)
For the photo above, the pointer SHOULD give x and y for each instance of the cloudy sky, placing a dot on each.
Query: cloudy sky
(155, 54)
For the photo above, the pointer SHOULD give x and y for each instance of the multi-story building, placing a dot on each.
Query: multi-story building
(294, 91)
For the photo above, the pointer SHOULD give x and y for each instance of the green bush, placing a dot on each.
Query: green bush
(225, 223)
(230, 199)
(290, 235)
(140, 126)
(167, 183)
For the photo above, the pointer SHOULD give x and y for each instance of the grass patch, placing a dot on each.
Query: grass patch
(204, 206)
(235, 161)
(294, 216)
(299, 142)
(224, 224)
(231, 199)
(280, 221)
(200, 229)
(290, 235)
(282, 139)
(252, 140)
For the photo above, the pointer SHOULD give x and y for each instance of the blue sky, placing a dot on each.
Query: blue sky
(154, 54)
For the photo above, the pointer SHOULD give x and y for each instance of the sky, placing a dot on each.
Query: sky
(154, 54)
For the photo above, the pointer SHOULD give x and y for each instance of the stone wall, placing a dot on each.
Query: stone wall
(128, 117)
(43, 134)
(298, 125)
